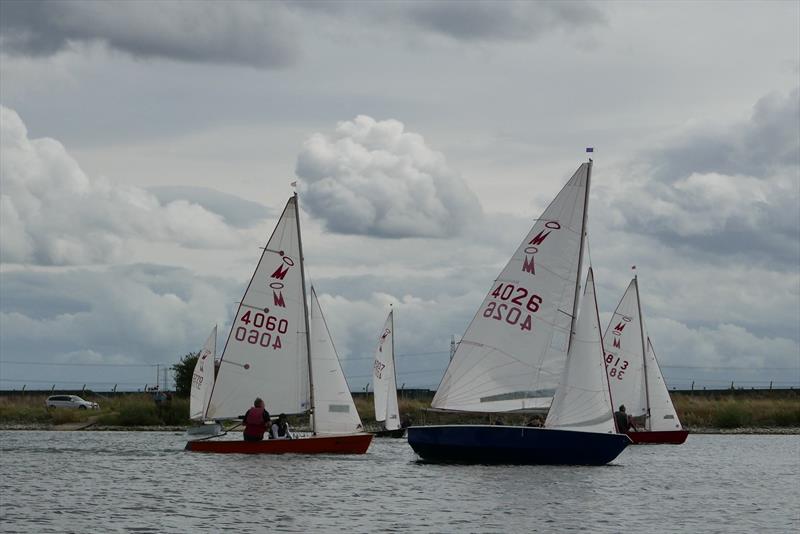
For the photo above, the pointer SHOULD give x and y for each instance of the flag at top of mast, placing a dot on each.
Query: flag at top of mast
(589, 149)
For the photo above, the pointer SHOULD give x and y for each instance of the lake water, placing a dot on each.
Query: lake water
(144, 482)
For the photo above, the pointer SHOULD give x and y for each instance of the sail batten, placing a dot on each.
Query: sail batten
(518, 339)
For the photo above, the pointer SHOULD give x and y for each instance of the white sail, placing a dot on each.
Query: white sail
(203, 378)
(663, 416)
(384, 378)
(582, 401)
(266, 354)
(513, 352)
(624, 358)
(334, 410)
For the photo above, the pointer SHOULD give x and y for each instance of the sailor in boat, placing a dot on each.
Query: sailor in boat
(256, 421)
(624, 421)
(280, 428)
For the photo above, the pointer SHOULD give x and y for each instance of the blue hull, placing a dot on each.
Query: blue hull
(485, 444)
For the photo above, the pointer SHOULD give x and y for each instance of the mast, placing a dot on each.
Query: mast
(580, 255)
(394, 363)
(644, 351)
(305, 315)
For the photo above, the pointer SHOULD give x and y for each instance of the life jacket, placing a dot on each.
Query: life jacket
(622, 422)
(254, 424)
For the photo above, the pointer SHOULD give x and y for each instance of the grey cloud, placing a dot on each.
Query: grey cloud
(247, 33)
(126, 314)
(235, 210)
(373, 178)
(770, 140)
(501, 21)
(732, 193)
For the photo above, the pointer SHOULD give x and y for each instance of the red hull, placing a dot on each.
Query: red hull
(345, 444)
(669, 437)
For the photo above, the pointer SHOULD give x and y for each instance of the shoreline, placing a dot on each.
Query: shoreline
(782, 431)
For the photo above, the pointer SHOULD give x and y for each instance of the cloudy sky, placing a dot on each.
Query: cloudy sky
(147, 148)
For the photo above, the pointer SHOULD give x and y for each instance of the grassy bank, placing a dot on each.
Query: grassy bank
(123, 410)
(720, 410)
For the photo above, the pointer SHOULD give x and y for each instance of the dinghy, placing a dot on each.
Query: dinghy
(280, 351)
(523, 351)
(385, 384)
(635, 377)
(202, 383)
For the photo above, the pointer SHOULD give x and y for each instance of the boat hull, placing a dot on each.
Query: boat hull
(668, 437)
(396, 433)
(486, 444)
(341, 444)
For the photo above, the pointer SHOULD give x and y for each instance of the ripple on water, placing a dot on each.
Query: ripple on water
(145, 482)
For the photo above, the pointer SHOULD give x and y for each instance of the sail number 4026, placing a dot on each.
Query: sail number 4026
(512, 313)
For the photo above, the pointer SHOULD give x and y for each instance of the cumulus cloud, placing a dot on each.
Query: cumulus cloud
(733, 191)
(52, 213)
(374, 178)
(235, 210)
(248, 33)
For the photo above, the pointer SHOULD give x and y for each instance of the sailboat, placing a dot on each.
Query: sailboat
(280, 351)
(523, 351)
(200, 393)
(385, 383)
(635, 377)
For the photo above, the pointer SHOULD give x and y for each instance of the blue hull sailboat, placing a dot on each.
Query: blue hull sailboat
(527, 348)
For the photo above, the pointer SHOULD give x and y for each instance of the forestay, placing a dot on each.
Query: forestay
(203, 378)
(334, 410)
(384, 378)
(513, 352)
(582, 401)
(266, 354)
(624, 358)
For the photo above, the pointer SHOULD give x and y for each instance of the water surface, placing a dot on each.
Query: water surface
(144, 482)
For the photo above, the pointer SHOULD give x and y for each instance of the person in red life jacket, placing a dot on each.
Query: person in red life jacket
(256, 421)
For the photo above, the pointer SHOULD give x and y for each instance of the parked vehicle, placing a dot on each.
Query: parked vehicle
(70, 401)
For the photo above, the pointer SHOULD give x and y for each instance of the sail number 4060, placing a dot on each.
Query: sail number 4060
(512, 313)
(254, 336)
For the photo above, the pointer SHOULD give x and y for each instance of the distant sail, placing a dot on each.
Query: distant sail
(513, 352)
(203, 378)
(383, 377)
(334, 410)
(582, 401)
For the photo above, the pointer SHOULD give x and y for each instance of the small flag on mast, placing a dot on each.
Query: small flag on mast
(293, 184)
(589, 149)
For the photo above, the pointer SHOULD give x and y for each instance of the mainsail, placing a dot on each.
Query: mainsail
(633, 372)
(383, 376)
(334, 410)
(582, 400)
(203, 378)
(266, 354)
(513, 352)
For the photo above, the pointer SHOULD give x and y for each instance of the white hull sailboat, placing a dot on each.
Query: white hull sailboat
(282, 352)
(527, 347)
(384, 386)
(635, 377)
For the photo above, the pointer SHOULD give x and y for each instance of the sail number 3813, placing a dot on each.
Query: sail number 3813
(514, 305)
